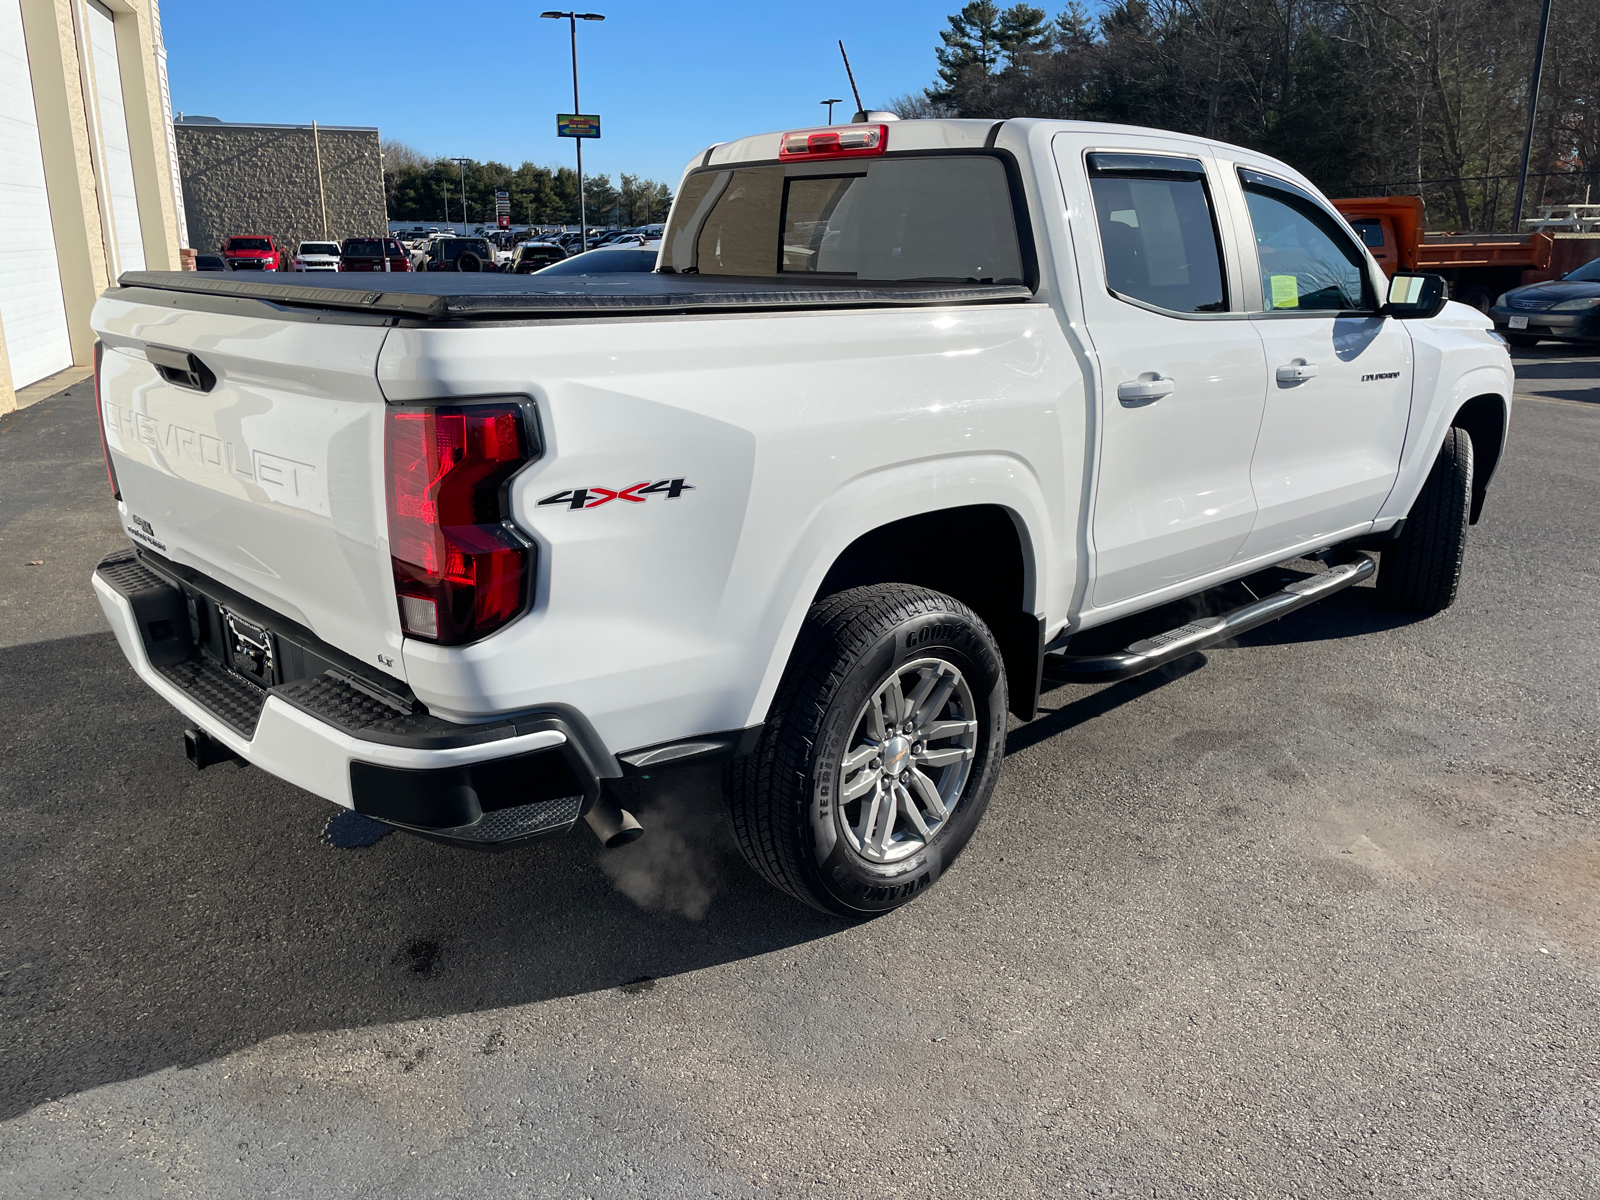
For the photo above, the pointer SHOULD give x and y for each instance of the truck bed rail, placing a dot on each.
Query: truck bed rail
(449, 296)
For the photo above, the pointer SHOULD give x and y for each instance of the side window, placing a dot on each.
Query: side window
(1157, 231)
(1308, 263)
(1371, 232)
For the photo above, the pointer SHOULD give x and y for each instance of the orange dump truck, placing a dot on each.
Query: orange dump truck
(1479, 266)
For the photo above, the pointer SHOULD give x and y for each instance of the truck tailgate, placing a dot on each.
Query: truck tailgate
(264, 470)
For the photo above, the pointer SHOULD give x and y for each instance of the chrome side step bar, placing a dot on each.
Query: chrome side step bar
(1149, 653)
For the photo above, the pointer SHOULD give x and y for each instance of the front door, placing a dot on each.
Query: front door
(1182, 370)
(1338, 376)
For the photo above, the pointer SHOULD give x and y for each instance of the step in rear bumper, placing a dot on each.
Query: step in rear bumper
(485, 786)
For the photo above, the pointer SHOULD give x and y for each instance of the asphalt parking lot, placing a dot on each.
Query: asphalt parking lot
(1317, 914)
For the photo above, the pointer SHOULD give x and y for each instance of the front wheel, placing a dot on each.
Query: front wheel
(880, 751)
(1421, 571)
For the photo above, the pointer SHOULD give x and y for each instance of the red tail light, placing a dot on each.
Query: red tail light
(833, 141)
(461, 569)
(100, 419)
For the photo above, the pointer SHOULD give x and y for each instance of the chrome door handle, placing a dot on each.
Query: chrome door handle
(1297, 372)
(1142, 391)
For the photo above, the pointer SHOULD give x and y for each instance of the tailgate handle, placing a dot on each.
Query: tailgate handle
(181, 368)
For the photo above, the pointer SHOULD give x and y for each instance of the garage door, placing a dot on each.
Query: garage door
(31, 308)
(118, 159)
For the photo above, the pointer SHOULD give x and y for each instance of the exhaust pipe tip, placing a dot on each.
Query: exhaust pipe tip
(614, 825)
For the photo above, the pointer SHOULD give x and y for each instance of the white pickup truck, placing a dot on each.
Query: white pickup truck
(911, 417)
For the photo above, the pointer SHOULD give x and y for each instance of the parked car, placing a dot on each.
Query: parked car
(533, 256)
(368, 254)
(1000, 399)
(1563, 310)
(461, 254)
(210, 262)
(252, 252)
(608, 260)
(317, 256)
(503, 243)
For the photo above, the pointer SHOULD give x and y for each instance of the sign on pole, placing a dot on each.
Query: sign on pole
(502, 209)
(577, 125)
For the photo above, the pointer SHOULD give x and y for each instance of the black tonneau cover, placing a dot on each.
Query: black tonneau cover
(442, 295)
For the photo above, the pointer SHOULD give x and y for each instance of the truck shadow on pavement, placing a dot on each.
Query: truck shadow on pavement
(155, 916)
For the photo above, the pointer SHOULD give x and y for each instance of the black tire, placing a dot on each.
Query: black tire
(1421, 571)
(1524, 341)
(1481, 298)
(788, 814)
(468, 261)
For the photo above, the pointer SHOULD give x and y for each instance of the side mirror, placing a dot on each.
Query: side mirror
(1416, 296)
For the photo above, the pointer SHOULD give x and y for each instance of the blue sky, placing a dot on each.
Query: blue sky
(487, 79)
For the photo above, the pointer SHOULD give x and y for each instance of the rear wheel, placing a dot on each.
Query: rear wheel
(881, 749)
(1421, 571)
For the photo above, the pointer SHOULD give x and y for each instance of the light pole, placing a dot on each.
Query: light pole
(830, 104)
(1533, 111)
(572, 19)
(462, 163)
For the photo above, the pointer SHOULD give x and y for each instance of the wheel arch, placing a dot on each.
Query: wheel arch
(1484, 418)
(995, 575)
(1041, 527)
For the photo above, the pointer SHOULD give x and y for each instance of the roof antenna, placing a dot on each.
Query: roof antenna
(861, 112)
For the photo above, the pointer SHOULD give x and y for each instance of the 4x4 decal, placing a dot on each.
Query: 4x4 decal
(594, 497)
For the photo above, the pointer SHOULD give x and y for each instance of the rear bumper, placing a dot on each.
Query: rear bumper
(334, 733)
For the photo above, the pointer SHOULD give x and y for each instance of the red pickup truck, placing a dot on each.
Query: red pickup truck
(253, 252)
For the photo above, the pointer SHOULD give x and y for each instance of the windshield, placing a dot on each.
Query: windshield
(604, 262)
(945, 218)
(249, 244)
(1588, 273)
(318, 248)
(363, 246)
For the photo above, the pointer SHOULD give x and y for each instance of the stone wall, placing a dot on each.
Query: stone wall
(263, 179)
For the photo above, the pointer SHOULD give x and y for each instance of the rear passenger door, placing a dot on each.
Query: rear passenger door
(1182, 371)
(1339, 375)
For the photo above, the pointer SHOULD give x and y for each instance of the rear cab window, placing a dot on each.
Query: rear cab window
(925, 218)
(1158, 231)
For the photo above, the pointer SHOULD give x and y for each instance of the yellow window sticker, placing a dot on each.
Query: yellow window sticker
(1285, 291)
